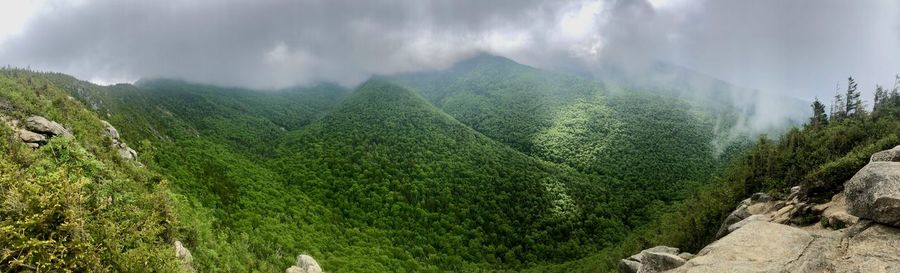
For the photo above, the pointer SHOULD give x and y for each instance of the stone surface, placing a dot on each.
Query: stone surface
(42, 125)
(308, 264)
(686, 256)
(874, 193)
(184, 255)
(875, 249)
(654, 262)
(629, 266)
(634, 263)
(294, 269)
(892, 155)
(752, 218)
(31, 137)
(757, 247)
(736, 216)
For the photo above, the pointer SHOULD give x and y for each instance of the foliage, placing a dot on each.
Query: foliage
(71, 205)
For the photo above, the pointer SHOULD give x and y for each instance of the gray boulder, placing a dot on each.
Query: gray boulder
(629, 266)
(736, 216)
(294, 269)
(654, 262)
(635, 263)
(892, 155)
(306, 264)
(31, 137)
(42, 125)
(874, 193)
(185, 257)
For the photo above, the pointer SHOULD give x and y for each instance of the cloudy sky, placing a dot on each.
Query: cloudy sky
(798, 47)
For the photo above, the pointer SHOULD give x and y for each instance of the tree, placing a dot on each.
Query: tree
(819, 118)
(838, 108)
(854, 105)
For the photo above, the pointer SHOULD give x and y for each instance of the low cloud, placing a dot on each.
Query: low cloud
(800, 48)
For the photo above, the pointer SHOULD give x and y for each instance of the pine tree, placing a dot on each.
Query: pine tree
(819, 118)
(853, 104)
(838, 110)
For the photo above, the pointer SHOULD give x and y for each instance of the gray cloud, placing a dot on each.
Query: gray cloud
(799, 47)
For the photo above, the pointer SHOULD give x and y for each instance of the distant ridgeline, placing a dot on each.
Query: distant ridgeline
(488, 165)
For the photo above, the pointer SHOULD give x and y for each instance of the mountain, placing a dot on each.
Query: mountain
(489, 165)
(69, 200)
(658, 144)
(387, 160)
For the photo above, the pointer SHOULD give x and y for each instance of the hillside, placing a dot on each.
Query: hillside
(657, 144)
(70, 201)
(390, 178)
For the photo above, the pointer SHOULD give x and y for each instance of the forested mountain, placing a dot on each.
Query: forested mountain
(489, 165)
(655, 143)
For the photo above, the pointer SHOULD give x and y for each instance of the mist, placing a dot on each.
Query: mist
(797, 49)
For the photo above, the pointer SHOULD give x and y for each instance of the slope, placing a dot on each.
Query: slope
(659, 145)
(440, 192)
(72, 204)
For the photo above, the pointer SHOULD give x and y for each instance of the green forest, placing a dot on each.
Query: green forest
(489, 165)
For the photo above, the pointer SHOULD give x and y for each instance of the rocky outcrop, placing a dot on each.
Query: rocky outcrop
(36, 130)
(892, 155)
(874, 193)
(120, 146)
(857, 233)
(185, 258)
(652, 260)
(44, 126)
(304, 264)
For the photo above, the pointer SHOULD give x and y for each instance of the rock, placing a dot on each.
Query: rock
(634, 263)
(42, 125)
(874, 193)
(654, 262)
(892, 155)
(127, 153)
(841, 219)
(686, 256)
(308, 264)
(760, 197)
(783, 215)
(184, 255)
(747, 220)
(31, 137)
(629, 266)
(294, 269)
(761, 247)
(875, 249)
(110, 131)
(736, 216)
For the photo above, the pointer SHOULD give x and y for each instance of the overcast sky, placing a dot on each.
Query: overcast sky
(798, 47)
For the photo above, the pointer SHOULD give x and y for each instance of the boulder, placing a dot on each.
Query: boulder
(874, 193)
(686, 255)
(629, 266)
(874, 249)
(654, 262)
(892, 155)
(294, 269)
(736, 216)
(752, 218)
(31, 137)
(183, 253)
(634, 263)
(127, 153)
(42, 125)
(307, 264)
(757, 247)
(110, 131)
(185, 257)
